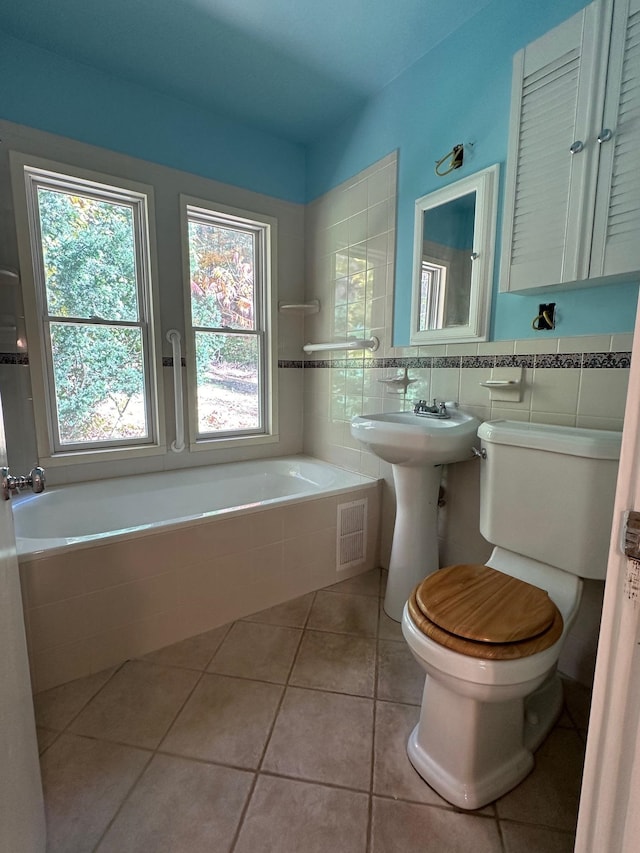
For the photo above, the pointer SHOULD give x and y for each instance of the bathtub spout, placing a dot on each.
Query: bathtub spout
(36, 480)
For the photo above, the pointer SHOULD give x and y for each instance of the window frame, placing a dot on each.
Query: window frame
(436, 293)
(265, 227)
(27, 174)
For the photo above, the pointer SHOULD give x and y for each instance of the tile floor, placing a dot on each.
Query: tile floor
(281, 733)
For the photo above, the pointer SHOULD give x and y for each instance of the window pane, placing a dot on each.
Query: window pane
(88, 249)
(227, 370)
(222, 270)
(99, 382)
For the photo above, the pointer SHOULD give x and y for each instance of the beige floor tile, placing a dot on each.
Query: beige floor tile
(286, 816)
(335, 662)
(367, 583)
(55, 708)
(393, 774)
(291, 614)
(550, 794)
(577, 700)
(192, 653)
(400, 678)
(344, 614)
(84, 782)
(323, 737)
(225, 720)
(412, 828)
(388, 628)
(45, 738)
(519, 838)
(180, 806)
(138, 705)
(252, 650)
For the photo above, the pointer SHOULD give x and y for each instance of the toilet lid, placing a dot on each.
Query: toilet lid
(481, 604)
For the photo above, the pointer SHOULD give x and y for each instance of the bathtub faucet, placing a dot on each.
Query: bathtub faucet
(36, 480)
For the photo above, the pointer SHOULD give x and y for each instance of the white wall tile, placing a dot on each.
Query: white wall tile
(445, 383)
(622, 342)
(555, 390)
(602, 392)
(585, 343)
(496, 348)
(528, 346)
(553, 418)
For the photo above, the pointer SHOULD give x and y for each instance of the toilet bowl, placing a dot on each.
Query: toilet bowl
(489, 637)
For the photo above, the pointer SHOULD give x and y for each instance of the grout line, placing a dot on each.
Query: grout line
(72, 720)
(373, 730)
(154, 752)
(134, 785)
(258, 770)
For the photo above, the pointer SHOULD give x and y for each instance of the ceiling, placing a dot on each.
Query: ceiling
(291, 67)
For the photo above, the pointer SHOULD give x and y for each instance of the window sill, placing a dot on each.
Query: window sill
(83, 457)
(221, 443)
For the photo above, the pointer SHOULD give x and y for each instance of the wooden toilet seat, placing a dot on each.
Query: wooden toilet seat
(481, 612)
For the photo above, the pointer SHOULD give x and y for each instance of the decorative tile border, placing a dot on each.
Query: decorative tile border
(555, 360)
(601, 360)
(606, 359)
(533, 360)
(515, 361)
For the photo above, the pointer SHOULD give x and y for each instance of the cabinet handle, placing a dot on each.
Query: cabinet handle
(576, 147)
(605, 135)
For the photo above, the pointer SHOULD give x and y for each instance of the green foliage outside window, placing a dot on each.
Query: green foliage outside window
(222, 270)
(88, 249)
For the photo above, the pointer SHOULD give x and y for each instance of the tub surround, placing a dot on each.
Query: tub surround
(93, 604)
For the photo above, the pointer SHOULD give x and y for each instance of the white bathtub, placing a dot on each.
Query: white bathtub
(116, 568)
(71, 516)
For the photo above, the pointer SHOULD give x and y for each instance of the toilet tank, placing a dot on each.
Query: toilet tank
(547, 492)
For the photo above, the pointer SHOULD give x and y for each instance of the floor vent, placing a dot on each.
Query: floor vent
(352, 534)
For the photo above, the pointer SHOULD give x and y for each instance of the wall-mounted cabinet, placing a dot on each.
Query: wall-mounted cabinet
(572, 204)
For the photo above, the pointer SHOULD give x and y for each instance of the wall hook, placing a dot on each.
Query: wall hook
(455, 158)
(546, 318)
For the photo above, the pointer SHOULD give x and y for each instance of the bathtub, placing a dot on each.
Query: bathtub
(114, 569)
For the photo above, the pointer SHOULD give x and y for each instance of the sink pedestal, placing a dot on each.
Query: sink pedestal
(414, 552)
(417, 448)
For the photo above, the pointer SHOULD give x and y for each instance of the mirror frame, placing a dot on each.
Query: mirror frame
(485, 185)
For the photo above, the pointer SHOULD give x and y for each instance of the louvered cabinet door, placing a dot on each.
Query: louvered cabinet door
(616, 234)
(554, 99)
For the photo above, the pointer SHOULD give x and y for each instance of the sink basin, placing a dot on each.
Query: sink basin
(404, 438)
(416, 446)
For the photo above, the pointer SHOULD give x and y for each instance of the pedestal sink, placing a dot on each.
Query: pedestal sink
(416, 445)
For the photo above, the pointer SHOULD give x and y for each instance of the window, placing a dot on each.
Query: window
(433, 285)
(229, 309)
(90, 309)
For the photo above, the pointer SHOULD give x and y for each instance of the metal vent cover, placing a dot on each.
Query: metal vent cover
(351, 540)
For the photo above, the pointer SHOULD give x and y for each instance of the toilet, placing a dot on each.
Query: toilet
(489, 636)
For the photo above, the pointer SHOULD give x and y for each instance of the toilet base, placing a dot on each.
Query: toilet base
(473, 752)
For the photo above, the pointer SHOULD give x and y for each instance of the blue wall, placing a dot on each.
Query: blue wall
(460, 92)
(43, 90)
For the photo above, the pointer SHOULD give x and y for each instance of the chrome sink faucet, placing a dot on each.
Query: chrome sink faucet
(435, 410)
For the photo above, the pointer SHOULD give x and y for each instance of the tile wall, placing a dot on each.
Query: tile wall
(350, 250)
(96, 606)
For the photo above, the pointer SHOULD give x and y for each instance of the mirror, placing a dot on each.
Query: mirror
(454, 240)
